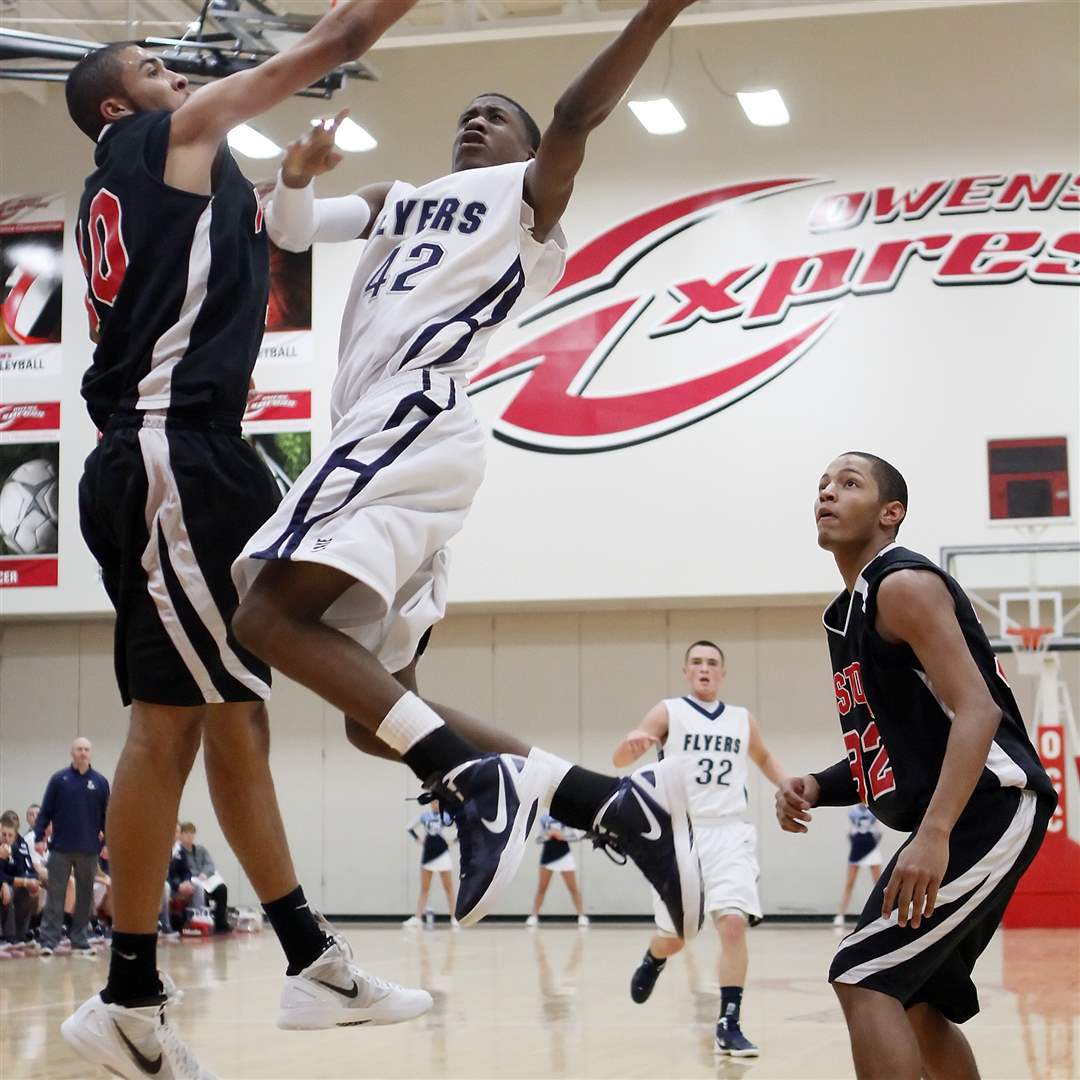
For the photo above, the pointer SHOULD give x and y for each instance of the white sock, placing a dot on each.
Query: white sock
(557, 769)
(407, 723)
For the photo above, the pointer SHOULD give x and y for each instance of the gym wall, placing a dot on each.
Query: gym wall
(588, 564)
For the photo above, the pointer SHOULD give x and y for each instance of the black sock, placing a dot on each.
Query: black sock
(655, 960)
(730, 1004)
(133, 976)
(297, 929)
(438, 752)
(578, 799)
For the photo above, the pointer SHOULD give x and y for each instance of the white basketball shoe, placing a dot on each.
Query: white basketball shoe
(333, 992)
(133, 1042)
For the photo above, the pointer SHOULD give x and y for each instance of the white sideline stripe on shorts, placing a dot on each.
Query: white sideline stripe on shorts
(155, 388)
(163, 495)
(991, 869)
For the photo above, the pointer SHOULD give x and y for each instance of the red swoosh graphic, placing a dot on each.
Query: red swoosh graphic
(544, 404)
(600, 252)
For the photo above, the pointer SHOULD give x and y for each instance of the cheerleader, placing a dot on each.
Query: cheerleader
(427, 830)
(864, 835)
(556, 858)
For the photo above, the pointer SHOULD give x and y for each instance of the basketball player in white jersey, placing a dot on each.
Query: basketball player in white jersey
(342, 584)
(719, 741)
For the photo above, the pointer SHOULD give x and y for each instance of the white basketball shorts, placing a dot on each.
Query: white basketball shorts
(380, 503)
(729, 870)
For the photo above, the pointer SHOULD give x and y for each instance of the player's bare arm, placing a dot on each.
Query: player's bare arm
(763, 757)
(915, 607)
(652, 731)
(295, 219)
(201, 122)
(586, 103)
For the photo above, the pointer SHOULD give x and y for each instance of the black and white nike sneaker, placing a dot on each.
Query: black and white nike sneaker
(647, 820)
(133, 1042)
(494, 801)
(333, 992)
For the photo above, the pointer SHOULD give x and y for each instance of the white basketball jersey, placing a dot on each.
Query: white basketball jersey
(446, 265)
(716, 738)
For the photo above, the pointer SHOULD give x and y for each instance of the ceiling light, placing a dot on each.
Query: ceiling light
(765, 108)
(658, 116)
(245, 140)
(352, 138)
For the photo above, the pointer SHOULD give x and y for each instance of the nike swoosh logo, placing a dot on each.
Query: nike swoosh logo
(350, 993)
(498, 823)
(654, 832)
(124, 955)
(147, 1065)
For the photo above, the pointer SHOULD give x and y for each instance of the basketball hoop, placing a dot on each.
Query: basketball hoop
(1032, 638)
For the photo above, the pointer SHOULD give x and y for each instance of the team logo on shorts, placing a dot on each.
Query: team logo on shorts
(603, 330)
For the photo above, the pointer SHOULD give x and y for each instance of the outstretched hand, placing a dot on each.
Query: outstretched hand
(314, 154)
(795, 797)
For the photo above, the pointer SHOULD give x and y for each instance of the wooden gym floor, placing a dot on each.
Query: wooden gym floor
(553, 1002)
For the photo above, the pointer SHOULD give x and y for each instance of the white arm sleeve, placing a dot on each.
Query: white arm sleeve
(295, 219)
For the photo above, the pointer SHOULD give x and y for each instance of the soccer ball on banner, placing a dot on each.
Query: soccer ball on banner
(28, 508)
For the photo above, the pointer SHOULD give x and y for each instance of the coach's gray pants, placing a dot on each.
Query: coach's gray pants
(60, 866)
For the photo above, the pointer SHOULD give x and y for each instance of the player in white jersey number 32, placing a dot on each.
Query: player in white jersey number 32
(716, 741)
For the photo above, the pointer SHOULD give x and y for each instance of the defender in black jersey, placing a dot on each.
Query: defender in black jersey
(936, 747)
(176, 257)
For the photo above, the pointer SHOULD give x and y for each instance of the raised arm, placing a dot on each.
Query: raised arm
(345, 33)
(915, 607)
(652, 731)
(586, 103)
(295, 219)
(199, 125)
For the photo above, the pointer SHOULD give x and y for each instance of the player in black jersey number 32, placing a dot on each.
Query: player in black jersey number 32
(935, 747)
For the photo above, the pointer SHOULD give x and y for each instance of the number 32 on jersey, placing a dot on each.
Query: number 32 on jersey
(875, 779)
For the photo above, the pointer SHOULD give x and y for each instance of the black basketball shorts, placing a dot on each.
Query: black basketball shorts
(165, 507)
(992, 844)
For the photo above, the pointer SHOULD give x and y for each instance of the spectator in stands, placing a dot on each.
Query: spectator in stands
(18, 885)
(183, 884)
(75, 802)
(204, 875)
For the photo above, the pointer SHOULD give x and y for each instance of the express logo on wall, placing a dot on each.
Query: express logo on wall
(554, 412)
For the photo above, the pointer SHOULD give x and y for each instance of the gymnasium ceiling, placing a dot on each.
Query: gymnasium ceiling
(430, 22)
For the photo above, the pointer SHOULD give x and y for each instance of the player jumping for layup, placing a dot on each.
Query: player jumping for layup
(345, 580)
(935, 747)
(177, 264)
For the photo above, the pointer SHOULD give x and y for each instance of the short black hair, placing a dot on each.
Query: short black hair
(93, 79)
(711, 644)
(532, 130)
(890, 481)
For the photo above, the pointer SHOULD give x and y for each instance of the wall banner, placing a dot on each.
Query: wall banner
(278, 424)
(29, 494)
(31, 284)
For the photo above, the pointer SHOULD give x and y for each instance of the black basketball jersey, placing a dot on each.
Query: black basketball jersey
(177, 283)
(895, 727)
